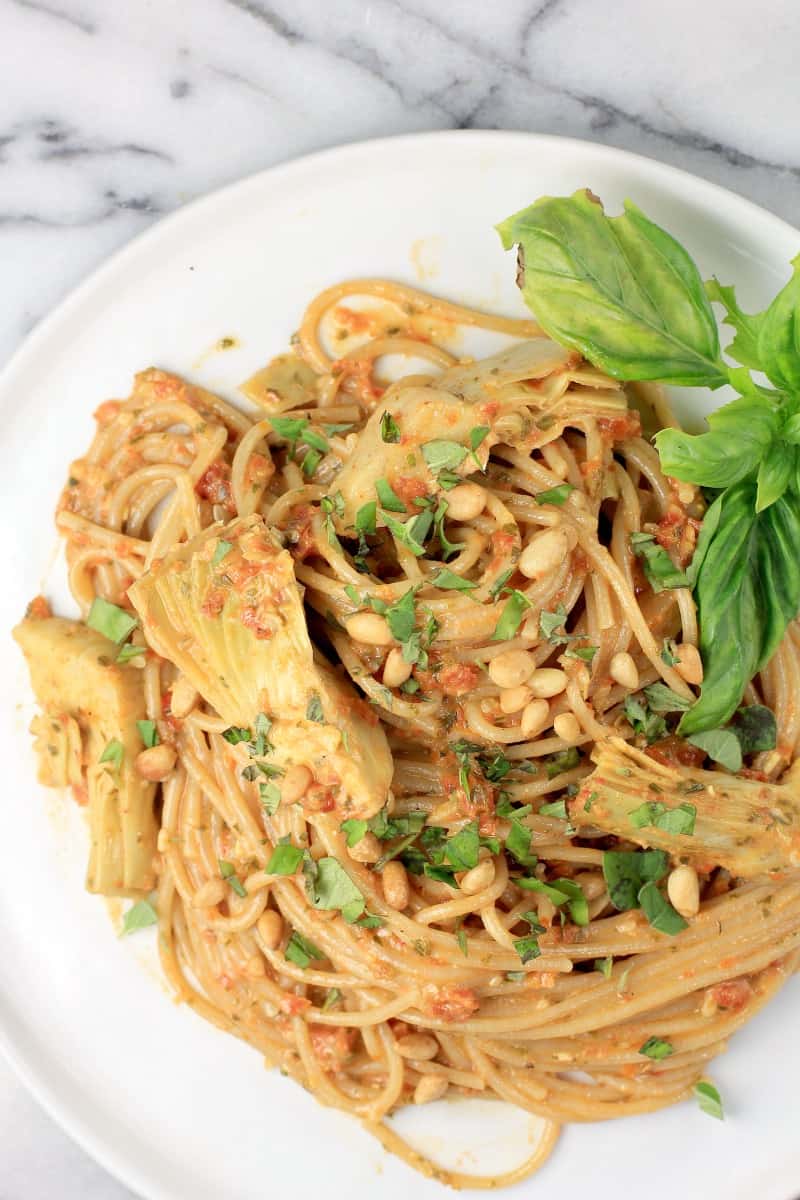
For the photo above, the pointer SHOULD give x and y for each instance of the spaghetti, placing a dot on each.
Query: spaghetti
(462, 538)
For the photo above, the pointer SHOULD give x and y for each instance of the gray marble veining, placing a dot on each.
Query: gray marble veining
(113, 114)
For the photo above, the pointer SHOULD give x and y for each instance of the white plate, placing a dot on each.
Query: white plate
(172, 1106)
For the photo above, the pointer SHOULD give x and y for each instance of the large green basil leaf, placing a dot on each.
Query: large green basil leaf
(779, 335)
(775, 473)
(744, 345)
(620, 290)
(748, 590)
(741, 433)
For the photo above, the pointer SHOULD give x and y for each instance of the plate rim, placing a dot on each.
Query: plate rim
(46, 1091)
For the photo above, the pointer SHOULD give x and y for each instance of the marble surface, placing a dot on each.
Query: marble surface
(112, 114)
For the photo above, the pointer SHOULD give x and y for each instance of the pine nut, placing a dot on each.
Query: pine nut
(689, 665)
(465, 502)
(535, 716)
(683, 889)
(368, 850)
(429, 1088)
(511, 668)
(547, 682)
(418, 1045)
(623, 670)
(156, 763)
(210, 893)
(566, 726)
(369, 628)
(514, 699)
(396, 891)
(270, 928)
(478, 878)
(295, 783)
(184, 697)
(395, 670)
(544, 553)
(686, 492)
(254, 967)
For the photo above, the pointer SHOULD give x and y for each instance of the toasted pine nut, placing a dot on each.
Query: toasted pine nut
(270, 928)
(418, 1045)
(623, 670)
(566, 726)
(396, 891)
(184, 697)
(212, 892)
(295, 783)
(547, 682)
(544, 553)
(465, 502)
(368, 850)
(369, 628)
(156, 763)
(478, 878)
(686, 492)
(255, 967)
(511, 668)
(514, 699)
(683, 889)
(689, 665)
(430, 1087)
(535, 716)
(395, 670)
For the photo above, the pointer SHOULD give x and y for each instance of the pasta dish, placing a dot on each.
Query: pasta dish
(443, 718)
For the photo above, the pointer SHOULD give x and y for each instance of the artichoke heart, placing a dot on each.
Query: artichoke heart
(226, 609)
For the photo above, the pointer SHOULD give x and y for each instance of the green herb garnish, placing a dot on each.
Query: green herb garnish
(112, 621)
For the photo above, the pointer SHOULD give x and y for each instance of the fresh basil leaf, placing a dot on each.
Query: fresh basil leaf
(139, 916)
(332, 888)
(518, 844)
(461, 939)
(112, 621)
(748, 590)
(663, 700)
(413, 533)
(722, 745)
(549, 622)
(657, 1048)
(448, 581)
(643, 720)
(500, 583)
(221, 550)
(461, 850)
(527, 948)
(779, 335)
(744, 346)
(269, 795)
(228, 873)
(646, 813)
(562, 892)
(332, 998)
(583, 653)
(401, 616)
(390, 430)
(740, 434)
(129, 651)
(679, 820)
(388, 497)
(604, 966)
(565, 760)
(113, 753)
(448, 548)
(314, 709)
(511, 617)
(709, 1099)
(756, 728)
(236, 734)
(353, 830)
(620, 290)
(443, 455)
(707, 532)
(556, 809)
(625, 872)
(311, 460)
(777, 469)
(659, 912)
(285, 859)
(659, 568)
(301, 950)
(555, 495)
(366, 517)
(148, 733)
(441, 874)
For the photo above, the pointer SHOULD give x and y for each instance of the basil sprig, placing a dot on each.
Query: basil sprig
(628, 296)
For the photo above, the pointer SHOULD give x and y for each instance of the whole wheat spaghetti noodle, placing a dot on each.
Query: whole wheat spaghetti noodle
(377, 719)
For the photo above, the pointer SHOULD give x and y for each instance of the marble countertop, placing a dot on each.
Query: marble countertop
(114, 114)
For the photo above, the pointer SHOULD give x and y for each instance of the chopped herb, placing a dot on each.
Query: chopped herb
(331, 999)
(500, 583)
(112, 621)
(314, 709)
(366, 517)
(413, 533)
(659, 568)
(390, 430)
(495, 766)
(721, 745)
(511, 616)
(332, 505)
(556, 495)
(604, 966)
(441, 874)
(669, 653)
(311, 461)
(353, 830)
(388, 497)
(221, 550)
(301, 951)
(442, 455)
(129, 651)
(285, 859)
(259, 743)
(562, 893)
(410, 686)
(370, 921)
(235, 734)
(228, 873)
(556, 808)
(709, 1099)
(447, 580)
(584, 653)
(527, 948)
(332, 888)
(518, 844)
(565, 760)
(139, 916)
(550, 622)
(113, 753)
(678, 820)
(270, 796)
(461, 850)
(627, 871)
(643, 720)
(663, 700)
(461, 939)
(477, 436)
(289, 429)
(657, 1048)
(342, 427)
(401, 616)
(659, 912)
(448, 548)
(148, 733)
(756, 728)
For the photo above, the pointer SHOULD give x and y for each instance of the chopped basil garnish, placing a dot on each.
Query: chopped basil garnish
(442, 455)
(657, 1048)
(390, 430)
(235, 734)
(556, 495)
(709, 1099)
(659, 568)
(604, 966)
(314, 709)
(139, 916)
(221, 550)
(113, 753)
(366, 517)
(511, 617)
(721, 745)
(556, 808)
(353, 830)
(412, 533)
(663, 700)
(148, 733)
(756, 728)
(388, 497)
(228, 873)
(678, 820)
(332, 888)
(301, 951)
(270, 796)
(565, 760)
(285, 859)
(461, 850)
(129, 651)
(112, 621)
(448, 581)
